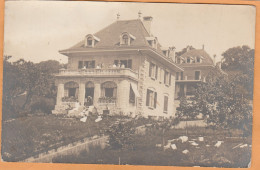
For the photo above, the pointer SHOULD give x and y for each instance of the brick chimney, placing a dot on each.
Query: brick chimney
(172, 53)
(147, 21)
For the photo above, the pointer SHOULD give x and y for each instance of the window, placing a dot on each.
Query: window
(181, 75)
(151, 98)
(165, 53)
(109, 92)
(89, 64)
(197, 75)
(198, 60)
(150, 43)
(188, 59)
(165, 106)
(72, 92)
(177, 76)
(161, 74)
(153, 71)
(89, 41)
(125, 39)
(166, 78)
(80, 65)
(126, 63)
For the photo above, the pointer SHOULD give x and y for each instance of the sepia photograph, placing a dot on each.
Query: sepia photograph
(128, 83)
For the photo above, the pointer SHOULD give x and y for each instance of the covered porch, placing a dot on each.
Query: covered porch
(118, 94)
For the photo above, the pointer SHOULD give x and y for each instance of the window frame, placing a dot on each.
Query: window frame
(165, 103)
(152, 70)
(195, 74)
(125, 39)
(151, 98)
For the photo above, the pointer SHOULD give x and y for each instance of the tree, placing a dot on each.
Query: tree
(238, 62)
(27, 79)
(121, 135)
(187, 110)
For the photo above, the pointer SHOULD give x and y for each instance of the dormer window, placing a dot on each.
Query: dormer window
(126, 39)
(152, 41)
(188, 60)
(198, 60)
(91, 40)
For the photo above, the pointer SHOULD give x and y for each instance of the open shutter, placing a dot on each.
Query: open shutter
(129, 63)
(155, 99)
(170, 79)
(164, 77)
(156, 72)
(147, 97)
(150, 69)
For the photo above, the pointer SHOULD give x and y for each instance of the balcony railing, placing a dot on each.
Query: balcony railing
(104, 100)
(99, 72)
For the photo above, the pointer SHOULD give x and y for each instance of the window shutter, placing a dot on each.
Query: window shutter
(156, 72)
(155, 99)
(165, 103)
(150, 69)
(80, 64)
(129, 63)
(147, 97)
(164, 77)
(170, 79)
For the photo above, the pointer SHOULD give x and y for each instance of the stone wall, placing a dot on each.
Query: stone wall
(73, 148)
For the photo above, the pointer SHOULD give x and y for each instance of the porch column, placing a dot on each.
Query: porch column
(60, 94)
(97, 92)
(81, 95)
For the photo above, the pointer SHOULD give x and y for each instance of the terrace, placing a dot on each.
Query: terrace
(96, 72)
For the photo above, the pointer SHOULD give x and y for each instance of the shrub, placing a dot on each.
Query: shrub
(44, 105)
(121, 135)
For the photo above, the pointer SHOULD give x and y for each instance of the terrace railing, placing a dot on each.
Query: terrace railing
(99, 72)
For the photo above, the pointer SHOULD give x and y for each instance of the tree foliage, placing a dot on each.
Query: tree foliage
(23, 81)
(239, 64)
(121, 135)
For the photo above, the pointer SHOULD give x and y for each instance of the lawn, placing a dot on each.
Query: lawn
(145, 152)
(26, 136)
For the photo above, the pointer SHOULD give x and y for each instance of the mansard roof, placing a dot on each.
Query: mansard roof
(110, 37)
(206, 59)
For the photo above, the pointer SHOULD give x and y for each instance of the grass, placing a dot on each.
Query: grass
(145, 151)
(26, 136)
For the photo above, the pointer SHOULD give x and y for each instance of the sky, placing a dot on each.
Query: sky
(37, 30)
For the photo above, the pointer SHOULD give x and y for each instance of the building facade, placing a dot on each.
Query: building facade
(122, 69)
(196, 64)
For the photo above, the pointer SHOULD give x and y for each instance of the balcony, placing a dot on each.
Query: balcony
(186, 80)
(94, 72)
(105, 101)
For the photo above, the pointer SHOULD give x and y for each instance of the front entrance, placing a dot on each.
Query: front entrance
(89, 95)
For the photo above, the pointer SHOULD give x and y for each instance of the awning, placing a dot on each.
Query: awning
(134, 87)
